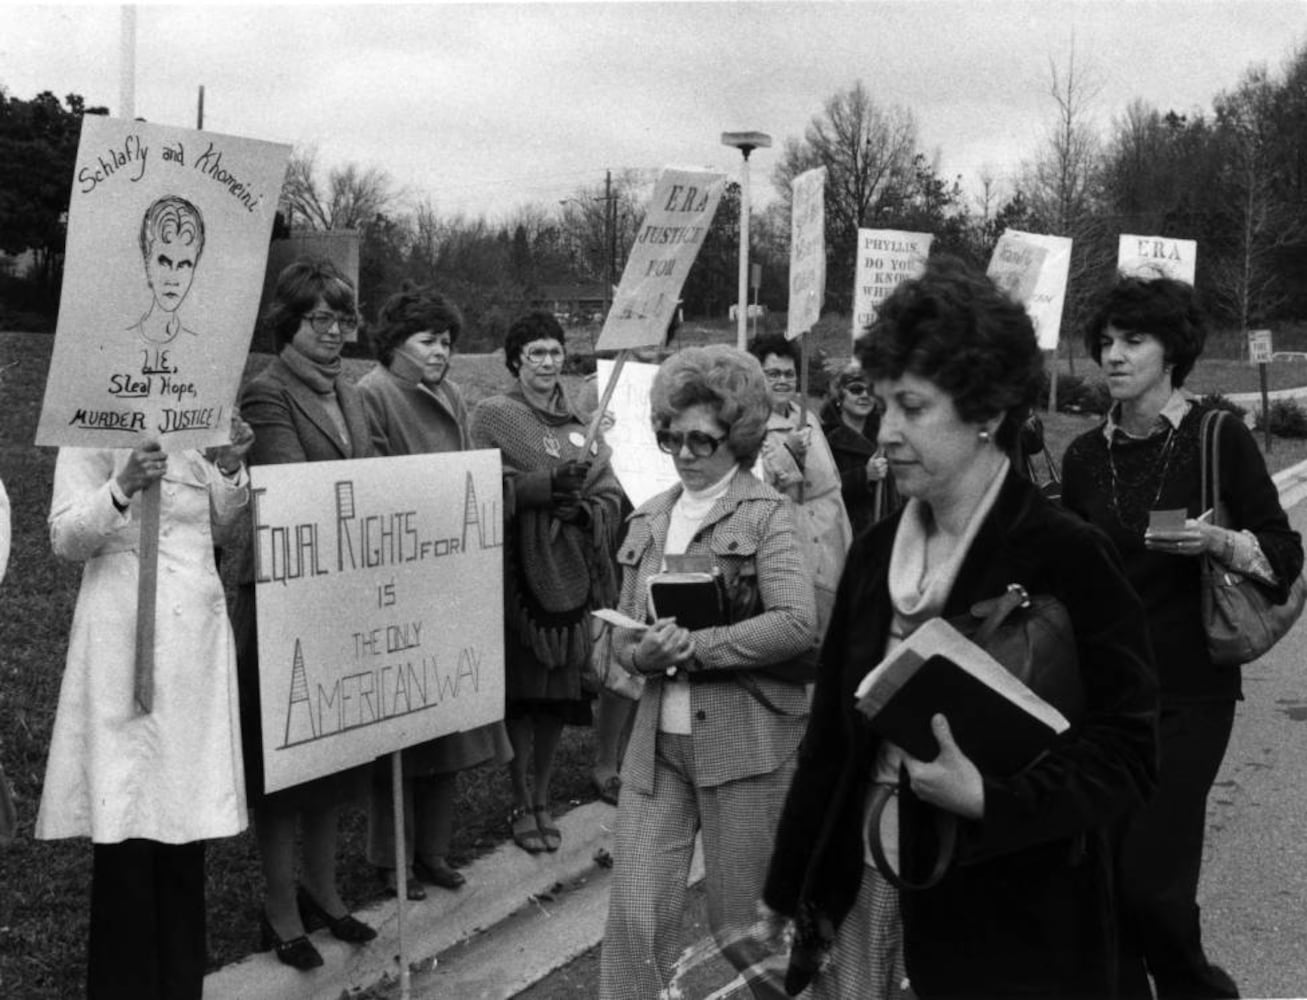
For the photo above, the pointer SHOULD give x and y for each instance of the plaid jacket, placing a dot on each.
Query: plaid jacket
(750, 530)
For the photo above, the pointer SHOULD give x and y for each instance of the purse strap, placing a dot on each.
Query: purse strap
(1209, 435)
(946, 828)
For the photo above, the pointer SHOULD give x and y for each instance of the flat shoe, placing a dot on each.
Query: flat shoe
(347, 928)
(526, 834)
(552, 837)
(440, 874)
(298, 952)
(609, 788)
(413, 889)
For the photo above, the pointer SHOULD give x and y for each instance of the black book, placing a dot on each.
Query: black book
(996, 720)
(695, 599)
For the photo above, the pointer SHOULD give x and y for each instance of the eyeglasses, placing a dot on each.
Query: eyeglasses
(537, 356)
(780, 374)
(701, 445)
(322, 322)
(857, 389)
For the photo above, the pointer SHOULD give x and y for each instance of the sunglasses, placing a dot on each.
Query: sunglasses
(701, 445)
(322, 322)
(858, 389)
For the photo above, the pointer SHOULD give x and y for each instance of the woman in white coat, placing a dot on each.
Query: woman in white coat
(148, 788)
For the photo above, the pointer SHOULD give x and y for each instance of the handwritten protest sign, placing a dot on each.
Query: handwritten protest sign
(643, 470)
(1157, 257)
(379, 585)
(885, 257)
(167, 238)
(1033, 269)
(807, 251)
(680, 212)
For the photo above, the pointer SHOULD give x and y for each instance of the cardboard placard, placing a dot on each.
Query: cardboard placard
(807, 251)
(1157, 257)
(643, 470)
(379, 585)
(168, 234)
(1051, 256)
(885, 258)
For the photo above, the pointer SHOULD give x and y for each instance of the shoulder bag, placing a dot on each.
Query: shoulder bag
(1241, 621)
(1032, 637)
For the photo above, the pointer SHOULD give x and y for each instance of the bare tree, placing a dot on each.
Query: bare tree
(351, 197)
(1060, 182)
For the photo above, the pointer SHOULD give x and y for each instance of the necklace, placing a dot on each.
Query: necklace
(1163, 461)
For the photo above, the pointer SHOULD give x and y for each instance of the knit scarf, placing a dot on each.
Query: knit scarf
(321, 378)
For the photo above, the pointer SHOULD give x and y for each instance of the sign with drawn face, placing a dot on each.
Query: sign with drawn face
(379, 586)
(167, 242)
(1033, 269)
(1157, 257)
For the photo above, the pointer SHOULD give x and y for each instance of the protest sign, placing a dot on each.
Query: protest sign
(680, 212)
(167, 238)
(1049, 258)
(1156, 257)
(807, 251)
(643, 470)
(379, 585)
(885, 257)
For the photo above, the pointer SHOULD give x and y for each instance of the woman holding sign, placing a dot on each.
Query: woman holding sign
(1127, 476)
(1024, 908)
(562, 505)
(413, 408)
(148, 788)
(302, 410)
(850, 420)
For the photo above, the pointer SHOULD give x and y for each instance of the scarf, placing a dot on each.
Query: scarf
(321, 378)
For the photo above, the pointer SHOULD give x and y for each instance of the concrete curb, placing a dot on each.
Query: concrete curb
(498, 885)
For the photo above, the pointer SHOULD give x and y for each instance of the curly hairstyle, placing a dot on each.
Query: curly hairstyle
(1163, 307)
(413, 309)
(726, 379)
(172, 218)
(953, 326)
(777, 344)
(535, 325)
(299, 286)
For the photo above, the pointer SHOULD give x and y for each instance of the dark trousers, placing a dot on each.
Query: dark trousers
(1162, 854)
(147, 937)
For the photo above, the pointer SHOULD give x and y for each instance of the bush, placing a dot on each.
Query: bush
(1218, 402)
(1288, 419)
(1077, 394)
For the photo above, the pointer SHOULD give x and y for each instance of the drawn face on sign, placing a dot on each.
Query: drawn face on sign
(172, 239)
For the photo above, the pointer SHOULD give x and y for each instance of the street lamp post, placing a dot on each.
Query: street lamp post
(746, 143)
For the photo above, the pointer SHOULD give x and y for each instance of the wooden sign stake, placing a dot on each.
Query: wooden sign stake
(146, 598)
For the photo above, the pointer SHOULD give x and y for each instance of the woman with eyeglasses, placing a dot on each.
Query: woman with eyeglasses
(302, 410)
(717, 728)
(561, 505)
(797, 461)
(850, 421)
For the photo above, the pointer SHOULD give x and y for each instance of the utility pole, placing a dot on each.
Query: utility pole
(610, 230)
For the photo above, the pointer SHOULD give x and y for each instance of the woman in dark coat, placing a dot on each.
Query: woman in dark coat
(850, 421)
(1146, 335)
(1025, 908)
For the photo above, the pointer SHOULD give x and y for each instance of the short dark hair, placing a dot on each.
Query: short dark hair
(413, 309)
(779, 345)
(954, 326)
(535, 325)
(299, 286)
(724, 378)
(1164, 307)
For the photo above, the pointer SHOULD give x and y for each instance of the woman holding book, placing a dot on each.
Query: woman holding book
(713, 745)
(1025, 907)
(1146, 335)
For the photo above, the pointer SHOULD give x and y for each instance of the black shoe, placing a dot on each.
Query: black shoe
(440, 874)
(298, 953)
(346, 928)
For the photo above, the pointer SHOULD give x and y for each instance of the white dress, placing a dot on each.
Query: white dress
(173, 775)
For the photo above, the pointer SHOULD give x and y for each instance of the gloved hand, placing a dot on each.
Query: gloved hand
(571, 511)
(569, 477)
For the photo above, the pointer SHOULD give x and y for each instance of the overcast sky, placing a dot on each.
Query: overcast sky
(482, 107)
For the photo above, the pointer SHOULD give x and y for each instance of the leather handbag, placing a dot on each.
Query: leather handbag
(1033, 638)
(1241, 620)
(602, 671)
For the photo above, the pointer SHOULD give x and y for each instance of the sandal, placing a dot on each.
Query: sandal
(413, 888)
(440, 873)
(526, 833)
(553, 839)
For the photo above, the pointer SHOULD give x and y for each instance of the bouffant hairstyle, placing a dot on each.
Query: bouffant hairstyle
(777, 344)
(536, 325)
(413, 309)
(299, 286)
(1164, 307)
(953, 326)
(726, 379)
(172, 218)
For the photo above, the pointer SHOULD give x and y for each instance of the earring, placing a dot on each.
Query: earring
(984, 436)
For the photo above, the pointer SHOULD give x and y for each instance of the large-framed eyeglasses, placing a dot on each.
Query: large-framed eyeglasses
(701, 445)
(537, 356)
(780, 374)
(322, 322)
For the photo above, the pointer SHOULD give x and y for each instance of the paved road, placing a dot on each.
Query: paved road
(1254, 888)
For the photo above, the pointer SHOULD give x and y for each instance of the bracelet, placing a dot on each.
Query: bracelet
(119, 498)
(229, 473)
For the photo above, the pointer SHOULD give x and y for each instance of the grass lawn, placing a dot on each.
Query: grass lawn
(44, 902)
